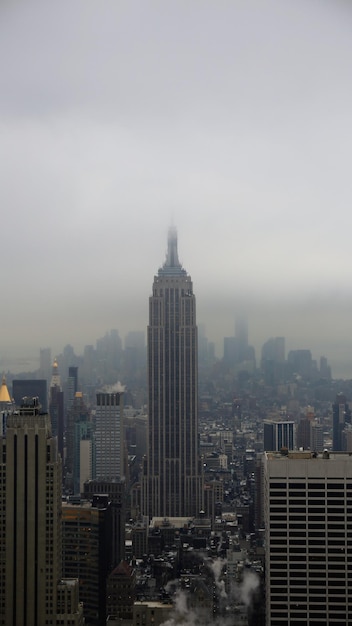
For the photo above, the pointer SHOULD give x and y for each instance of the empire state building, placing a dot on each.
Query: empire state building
(173, 479)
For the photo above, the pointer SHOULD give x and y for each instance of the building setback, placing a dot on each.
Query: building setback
(172, 484)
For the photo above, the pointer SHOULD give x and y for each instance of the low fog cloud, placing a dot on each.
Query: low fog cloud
(118, 118)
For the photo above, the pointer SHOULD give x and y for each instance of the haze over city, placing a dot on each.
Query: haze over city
(229, 119)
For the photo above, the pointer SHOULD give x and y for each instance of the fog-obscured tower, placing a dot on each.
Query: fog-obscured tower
(172, 483)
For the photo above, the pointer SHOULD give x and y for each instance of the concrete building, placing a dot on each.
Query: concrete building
(30, 523)
(308, 530)
(172, 484)
(109, 437)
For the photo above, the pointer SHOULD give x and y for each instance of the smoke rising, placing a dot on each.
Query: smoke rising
(241, 593)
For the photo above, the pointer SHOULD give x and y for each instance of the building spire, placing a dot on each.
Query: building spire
(4, 393)
(172, 255)
(55, 379)
(172, 264)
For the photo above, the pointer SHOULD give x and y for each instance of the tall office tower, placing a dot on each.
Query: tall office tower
(31, 388)
(135, 357)
(273, 360)
(300, 362)
(341, 415)
(86, 552)
(56, 407)
(30, 522)
(274, 350)
(173, 480)
(308, 529)
(324, 368)
(109, 436)
(116, 491)
(279, 435)
(84, 451)
(79, 444)
(316, 437)
(72, 385)
(231, 351)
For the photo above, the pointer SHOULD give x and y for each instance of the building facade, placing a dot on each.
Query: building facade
(86, 552)
(172, 484)
(30, 522)
(279, 435)
(109, 437)
(56, 407)
(308, 538)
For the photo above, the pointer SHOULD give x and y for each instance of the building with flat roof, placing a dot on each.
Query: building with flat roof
(308, 538)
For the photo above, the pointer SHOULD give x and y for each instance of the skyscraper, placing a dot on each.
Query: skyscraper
(172, 484)
(56, 407)
(31, 587)
(341, 415)
(308, 525)
(109, 440)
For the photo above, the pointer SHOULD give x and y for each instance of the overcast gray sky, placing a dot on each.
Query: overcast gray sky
(230, 118)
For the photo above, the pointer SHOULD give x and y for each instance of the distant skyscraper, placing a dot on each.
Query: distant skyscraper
(45, 363)
(72, 385)
(109, 436)
(308, 525)
(172, 483)
(84, 451)
(341, 415)
(56, 407)
(31, 588)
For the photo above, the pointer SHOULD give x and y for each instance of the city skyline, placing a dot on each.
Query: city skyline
(233, 121)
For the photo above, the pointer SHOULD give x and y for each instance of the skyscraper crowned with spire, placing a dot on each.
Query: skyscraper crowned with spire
(172, 482)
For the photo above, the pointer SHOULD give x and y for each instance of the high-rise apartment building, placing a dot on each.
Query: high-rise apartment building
(172, 484)
(30, 523)
(308, 535)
